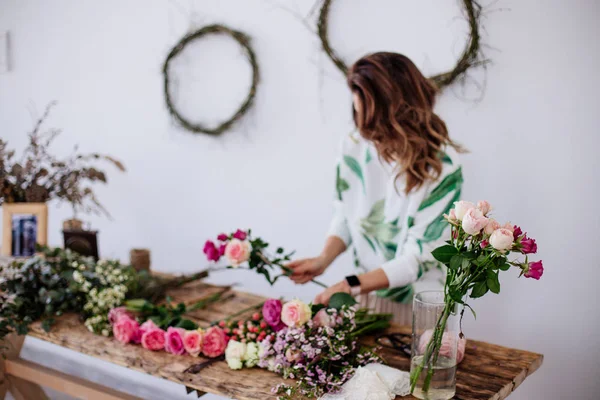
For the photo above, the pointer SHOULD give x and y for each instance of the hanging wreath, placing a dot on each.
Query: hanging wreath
(471, 56)
(244, 41)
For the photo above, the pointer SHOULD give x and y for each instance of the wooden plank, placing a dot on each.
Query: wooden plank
(22, 389)
(488, 371)
(73, 386)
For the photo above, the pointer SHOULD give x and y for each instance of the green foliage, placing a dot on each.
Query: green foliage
(164, 315)
(339, 300)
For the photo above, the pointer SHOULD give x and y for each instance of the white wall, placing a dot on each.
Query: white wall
(533, 139)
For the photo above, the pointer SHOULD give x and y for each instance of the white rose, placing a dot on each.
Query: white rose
(235, 350)
(251, 355)
(461, 208)
(502, 239)
(234, 363)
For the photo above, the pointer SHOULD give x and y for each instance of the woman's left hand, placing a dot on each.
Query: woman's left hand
(323, 297)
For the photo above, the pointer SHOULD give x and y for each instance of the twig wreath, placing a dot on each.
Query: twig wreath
(244, 41)
(471, 56)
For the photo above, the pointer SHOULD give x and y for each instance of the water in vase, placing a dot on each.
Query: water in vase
(443, 382)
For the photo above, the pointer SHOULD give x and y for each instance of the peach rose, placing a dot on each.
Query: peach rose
(237, 252)
(484, 206)
(502, 239)
(295, 313)
(491, 226)
(192, 342)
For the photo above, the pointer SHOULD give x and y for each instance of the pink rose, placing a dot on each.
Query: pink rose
(223, 237)
(241, 235)
(222, 249)
(517, 232)
(116, 313)
(322, 318)
(174, 341)
(491, 226)
(510, 227)
(192, 342)
(535, 270)
(154, 339)
(461, 208)
(146, 326)
(272, 314)
(474, 221)
(529, 246)
(237, 252)
(502, 239)
(125, 329)
(448, 341)
(484, 244)
(451, 216)
(211, 251)
(295, 313)
(484, 206)
(215, 342)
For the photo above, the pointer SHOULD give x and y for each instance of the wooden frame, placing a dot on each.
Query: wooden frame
(40, 210)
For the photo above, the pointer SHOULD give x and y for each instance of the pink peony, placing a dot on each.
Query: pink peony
(211, 251)
(237, 252)
(174, 341)
(215, 342)
(192, 342)
(491, 226)
(116, 313)
(474, 221)
(534, 270)
(322, 318)
(484, 206)
(461, 208)
(154, 339)
(502, 239)
(295, 313)
(448, 340)
(272, 314)
(223, 237)
(125, 329)
(241, 235)
(529, 245)
(517, 232)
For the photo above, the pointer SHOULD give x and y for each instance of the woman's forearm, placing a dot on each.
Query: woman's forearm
(334, 246)
(373, 280)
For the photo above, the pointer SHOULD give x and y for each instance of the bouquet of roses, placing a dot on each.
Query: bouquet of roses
(317, 346)
(241, 249)
(475, 255)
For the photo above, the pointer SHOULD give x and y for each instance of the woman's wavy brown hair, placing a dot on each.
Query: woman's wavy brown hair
(396, 114)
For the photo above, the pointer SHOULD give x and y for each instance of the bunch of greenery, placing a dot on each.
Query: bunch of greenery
(58, 281)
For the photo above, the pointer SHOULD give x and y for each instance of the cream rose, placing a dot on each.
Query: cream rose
(491, 226)
(234, 354)
(461, 208)
(237, 252)
(502, 239)
(484, 206)
(474, 221)
(295, 313)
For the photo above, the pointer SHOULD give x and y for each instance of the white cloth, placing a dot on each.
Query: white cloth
(374, 382)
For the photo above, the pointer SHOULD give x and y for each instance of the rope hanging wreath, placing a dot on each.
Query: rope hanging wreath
(244, 41)
(470, 57)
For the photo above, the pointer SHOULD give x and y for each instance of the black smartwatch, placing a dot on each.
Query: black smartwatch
(354, 284)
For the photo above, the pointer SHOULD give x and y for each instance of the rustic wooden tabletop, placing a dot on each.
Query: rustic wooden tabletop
(487, 372)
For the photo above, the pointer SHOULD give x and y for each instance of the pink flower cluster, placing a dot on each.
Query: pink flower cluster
(235, 247)
(126, 329)
(474, 221)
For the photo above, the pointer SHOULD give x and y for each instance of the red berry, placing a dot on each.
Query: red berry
(263, 324)
(256, 316)
(222, 324)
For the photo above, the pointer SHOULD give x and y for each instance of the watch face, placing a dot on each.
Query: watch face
(353, 280)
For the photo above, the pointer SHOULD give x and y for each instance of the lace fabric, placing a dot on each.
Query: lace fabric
(374, 382)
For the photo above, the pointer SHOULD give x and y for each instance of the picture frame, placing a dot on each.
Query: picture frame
(23, 226)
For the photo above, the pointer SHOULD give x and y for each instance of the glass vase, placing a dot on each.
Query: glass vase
(435, 336)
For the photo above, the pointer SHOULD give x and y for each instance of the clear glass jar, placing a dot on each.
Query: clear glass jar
(435, 336)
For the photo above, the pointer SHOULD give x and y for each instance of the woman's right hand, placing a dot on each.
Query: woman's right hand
(306, 269)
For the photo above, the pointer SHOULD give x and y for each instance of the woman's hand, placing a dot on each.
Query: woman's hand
(323, 297)
(305, 269)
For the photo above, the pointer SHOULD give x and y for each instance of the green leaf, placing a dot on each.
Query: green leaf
(47, 324)
(315, 308)
(341, 185)
(187, 325)
(338, 300)
(356, 168)
(444, 253)
(479, 289)
(447, 185)
(436, 228)
(492, 282)
(505, 267)
(456, 262)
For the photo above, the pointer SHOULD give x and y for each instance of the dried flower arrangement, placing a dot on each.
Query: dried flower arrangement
(39, 176)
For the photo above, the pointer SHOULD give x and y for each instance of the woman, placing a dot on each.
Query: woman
(394, 183)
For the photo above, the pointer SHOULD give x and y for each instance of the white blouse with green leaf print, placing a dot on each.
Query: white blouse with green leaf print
(388, 228)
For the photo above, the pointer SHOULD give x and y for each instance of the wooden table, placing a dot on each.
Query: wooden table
(488, 371)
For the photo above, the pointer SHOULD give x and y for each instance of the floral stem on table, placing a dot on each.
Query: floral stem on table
(237, 314)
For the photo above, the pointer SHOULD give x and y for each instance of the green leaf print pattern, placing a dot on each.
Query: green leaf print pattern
(435, 229)
(447, 185)
(341, 185)
(368, 156)
(356, 168)
(380, 234)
